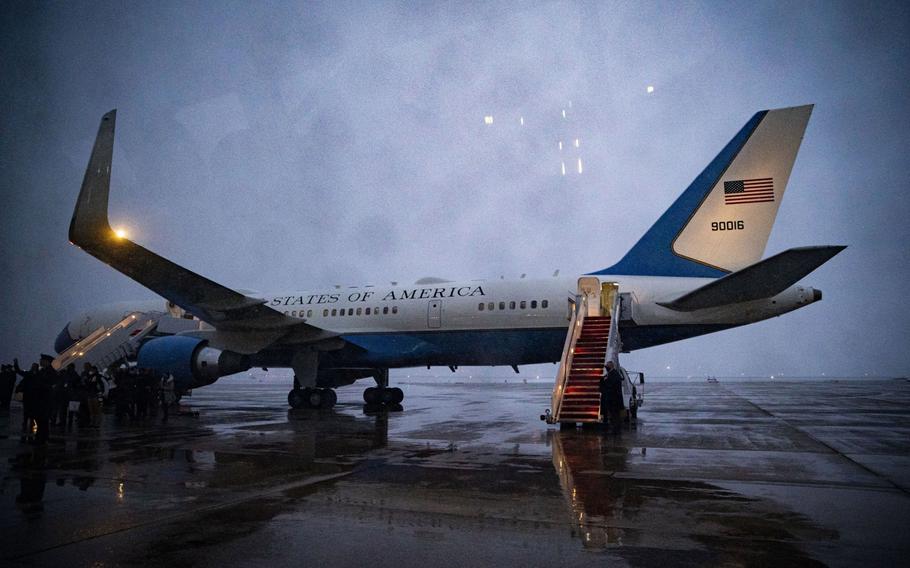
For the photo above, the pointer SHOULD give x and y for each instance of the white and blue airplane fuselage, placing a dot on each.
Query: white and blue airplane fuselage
(697, 270)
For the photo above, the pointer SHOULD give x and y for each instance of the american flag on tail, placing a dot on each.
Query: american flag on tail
(748, 191)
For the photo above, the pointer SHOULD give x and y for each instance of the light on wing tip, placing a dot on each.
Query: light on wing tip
(120, 233)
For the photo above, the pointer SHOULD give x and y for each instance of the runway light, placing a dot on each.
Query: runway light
(488, 119)
(120, 233)
(650, 89)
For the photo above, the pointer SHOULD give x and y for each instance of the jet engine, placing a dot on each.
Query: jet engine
(192, 362)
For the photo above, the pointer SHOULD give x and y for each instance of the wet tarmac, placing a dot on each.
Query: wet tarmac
(732, 473)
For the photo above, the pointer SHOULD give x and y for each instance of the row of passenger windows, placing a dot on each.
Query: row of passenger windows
(341, 312)
(522, 305)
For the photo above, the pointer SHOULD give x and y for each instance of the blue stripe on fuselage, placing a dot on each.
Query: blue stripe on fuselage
(475, 347)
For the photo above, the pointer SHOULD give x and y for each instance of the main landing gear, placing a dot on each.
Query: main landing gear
(381, 393)
(312, 398)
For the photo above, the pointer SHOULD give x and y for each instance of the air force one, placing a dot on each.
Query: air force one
(697, 270)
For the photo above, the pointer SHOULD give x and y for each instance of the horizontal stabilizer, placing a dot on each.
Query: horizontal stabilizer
(763, 279)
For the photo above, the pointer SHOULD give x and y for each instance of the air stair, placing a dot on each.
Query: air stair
(591, 341)
(106, 346)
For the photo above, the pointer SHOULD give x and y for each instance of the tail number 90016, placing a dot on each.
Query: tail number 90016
(727, 225)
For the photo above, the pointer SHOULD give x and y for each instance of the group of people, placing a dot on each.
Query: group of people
(60, 398)
(137, 393)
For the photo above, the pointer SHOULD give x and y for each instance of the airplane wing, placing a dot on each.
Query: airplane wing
(763, 279)
(211, 302)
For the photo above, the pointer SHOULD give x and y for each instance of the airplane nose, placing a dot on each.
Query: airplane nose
(816, 294)
(64, 340)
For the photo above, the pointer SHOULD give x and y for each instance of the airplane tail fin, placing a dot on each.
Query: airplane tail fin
(722, 221)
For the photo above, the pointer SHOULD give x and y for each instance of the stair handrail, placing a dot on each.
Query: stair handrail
(614, 344)
(565, 361)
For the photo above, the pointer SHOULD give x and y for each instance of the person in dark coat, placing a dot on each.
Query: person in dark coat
(47, 380)
(37, 395)
(123, 394)
(611, 403)
(71, 392)
(7, 384)
(93, 390)
(27, 386)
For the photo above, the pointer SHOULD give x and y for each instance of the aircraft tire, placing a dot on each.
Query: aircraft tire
(296, 398)
(315, 398)
(330, 398)
(387, 396)
(397, 395)
(371, 395)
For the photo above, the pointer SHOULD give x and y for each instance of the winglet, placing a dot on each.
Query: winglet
(209, 301)
(90, 223)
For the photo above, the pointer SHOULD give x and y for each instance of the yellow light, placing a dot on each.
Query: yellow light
(120, 233)
(488, 119)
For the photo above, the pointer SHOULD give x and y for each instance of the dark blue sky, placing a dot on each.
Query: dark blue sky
(299, 145)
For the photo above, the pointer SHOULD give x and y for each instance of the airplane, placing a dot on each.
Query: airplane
(697, 270)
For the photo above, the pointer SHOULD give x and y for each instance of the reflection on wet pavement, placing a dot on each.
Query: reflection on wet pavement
(716, 474)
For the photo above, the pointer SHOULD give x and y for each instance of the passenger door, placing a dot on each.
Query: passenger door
(434, 314)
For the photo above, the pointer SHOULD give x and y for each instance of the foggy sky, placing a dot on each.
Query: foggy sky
(278, 147)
